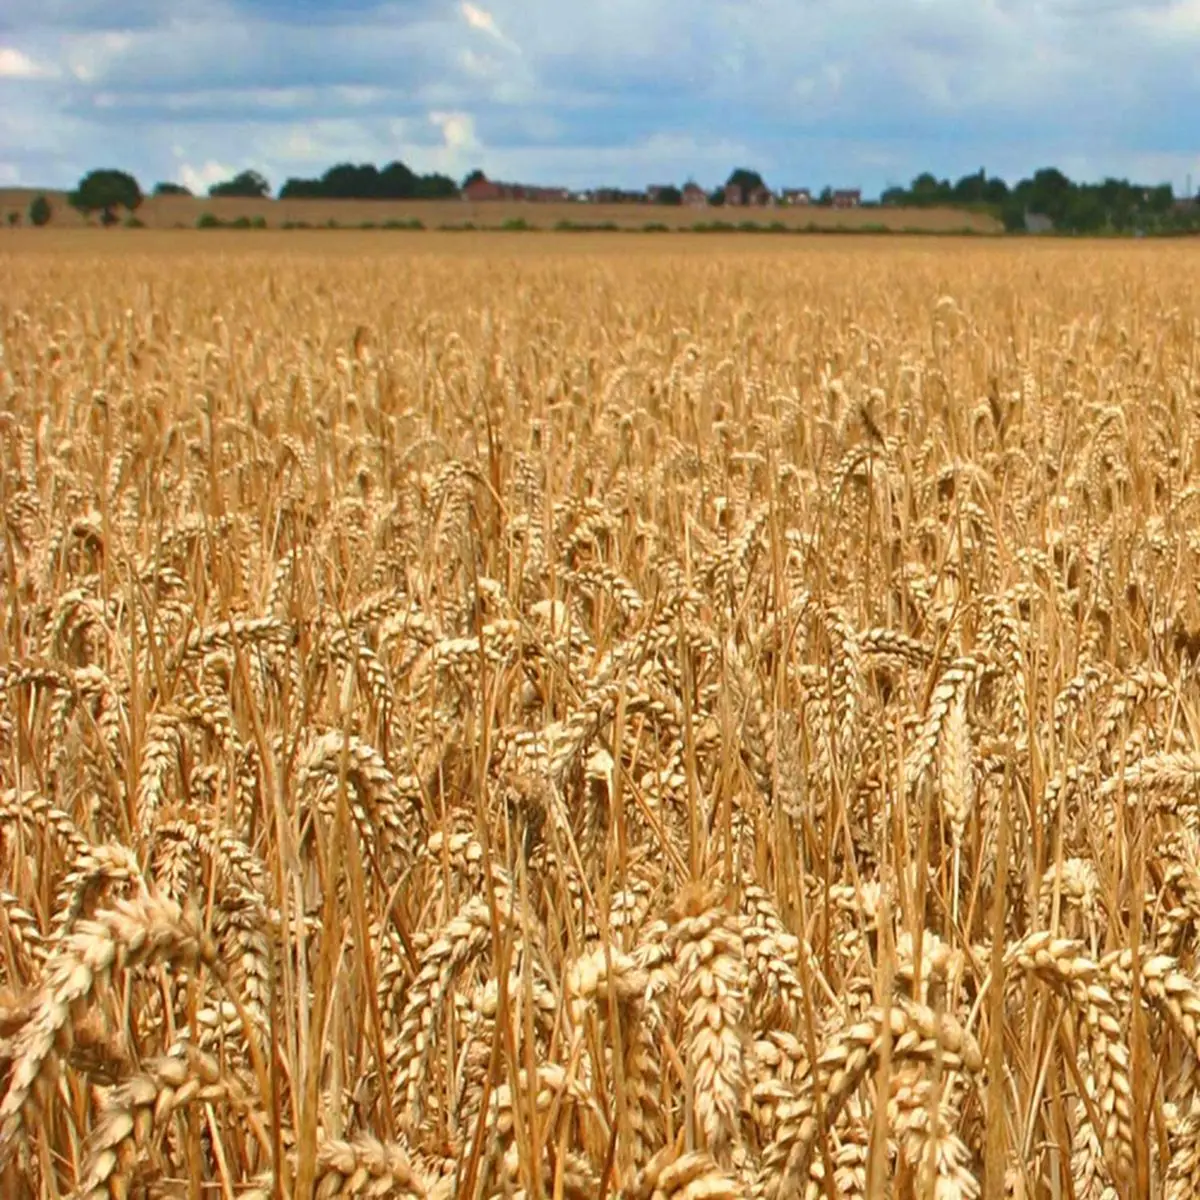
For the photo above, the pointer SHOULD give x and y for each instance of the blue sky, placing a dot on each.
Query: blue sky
(630, 92)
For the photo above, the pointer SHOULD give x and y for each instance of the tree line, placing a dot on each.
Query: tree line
(1115, 205)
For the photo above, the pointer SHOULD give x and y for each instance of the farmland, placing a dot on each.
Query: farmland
(579, 716)
(183, 212)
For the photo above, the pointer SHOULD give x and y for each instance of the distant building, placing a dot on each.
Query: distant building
(757, 197)
(482, 188)
(800, 196)
(694, 195)
(847, 197)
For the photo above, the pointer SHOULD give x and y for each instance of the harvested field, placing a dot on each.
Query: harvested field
(597, 720)
(182, 212)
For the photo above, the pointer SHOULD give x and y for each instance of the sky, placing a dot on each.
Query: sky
(849, 93)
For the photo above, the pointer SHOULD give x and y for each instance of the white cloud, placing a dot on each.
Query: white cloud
(15, 64)
(458, 129)
(200, 179)
(864, 91)
(482, 20)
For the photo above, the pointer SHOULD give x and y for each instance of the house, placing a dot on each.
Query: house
(801, 195)
(758, 197)
(694, 195)
(482, 188)
(847, 197)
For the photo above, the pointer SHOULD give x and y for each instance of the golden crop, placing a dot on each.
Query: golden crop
(548, 717)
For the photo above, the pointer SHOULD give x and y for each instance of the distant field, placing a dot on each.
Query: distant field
(170, 212)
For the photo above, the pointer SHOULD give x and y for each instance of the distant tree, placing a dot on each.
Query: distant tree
(40, 211)
(669, 195)
(249, 184)
(171, 189)
(104, 191)
(717, 197)
(825, 199)
(1161, 198)
(14, 218)
(746, 179)
(473, 177)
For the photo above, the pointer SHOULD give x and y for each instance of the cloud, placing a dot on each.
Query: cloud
(479, 18)
(14, 64)
(865, 92)
(200, 179)
(458, 129)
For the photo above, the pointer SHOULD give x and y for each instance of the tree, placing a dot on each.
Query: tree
(825, 199)
(104, 191)
(171, 189)
(746, 179)
(248, 184)
(39, 211)
(669, 195)
(473, 177)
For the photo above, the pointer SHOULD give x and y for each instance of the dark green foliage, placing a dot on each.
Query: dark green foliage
(104, 191)
(1114, 205)
(40, 211)
(171, 189)
(249, 185)
(366, 182)
(746, 179)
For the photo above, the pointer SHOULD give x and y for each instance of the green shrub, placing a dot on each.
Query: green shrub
(40, 211)
(655, 227)
(515, 225)
(208, 221)
(258, 223)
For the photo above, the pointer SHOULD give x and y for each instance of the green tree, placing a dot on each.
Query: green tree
(669, 195)
(104, 191)
(171, 189)
(472, 177)
(39, 211)
(248, 184)
(1161, 198)
(746, 179)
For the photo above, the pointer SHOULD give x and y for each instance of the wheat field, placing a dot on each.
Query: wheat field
(599, 721)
